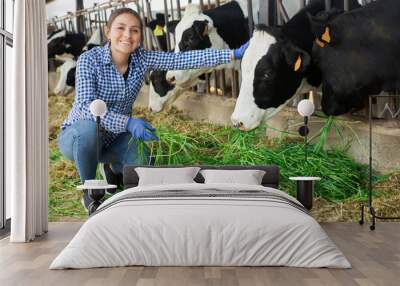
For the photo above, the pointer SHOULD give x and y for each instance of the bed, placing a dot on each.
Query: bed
(201, 224)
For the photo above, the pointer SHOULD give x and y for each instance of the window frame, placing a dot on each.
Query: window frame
(6, 39)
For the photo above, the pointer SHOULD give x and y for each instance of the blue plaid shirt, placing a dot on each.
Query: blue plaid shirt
(98, 78)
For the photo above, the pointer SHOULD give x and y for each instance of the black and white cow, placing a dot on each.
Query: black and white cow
(222, 27)
(61, 42)
(277, 66)
(157, 27)
(66, 80)
(161, 91)
(358, 53)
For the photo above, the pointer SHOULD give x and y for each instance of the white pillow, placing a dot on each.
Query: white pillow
(249, 177)
(166, 176)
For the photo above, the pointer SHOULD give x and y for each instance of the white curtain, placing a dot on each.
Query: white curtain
(26, 123)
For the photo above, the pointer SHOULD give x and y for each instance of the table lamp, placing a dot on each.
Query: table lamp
(305, 109)
(98, 108)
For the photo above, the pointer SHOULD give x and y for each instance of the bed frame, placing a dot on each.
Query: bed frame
(270, 179)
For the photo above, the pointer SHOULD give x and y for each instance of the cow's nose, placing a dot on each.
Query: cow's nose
(171, 80)
(238, 124)
(151, 109)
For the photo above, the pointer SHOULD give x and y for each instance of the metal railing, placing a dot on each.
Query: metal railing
(92, 17)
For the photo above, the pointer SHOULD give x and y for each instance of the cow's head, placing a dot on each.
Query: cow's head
(279, 74)
(194, 32)
(61, 42)
(158, 29)
(160, 91)
(65, 73)
(271, 74)
(340, 95)
(56, 43)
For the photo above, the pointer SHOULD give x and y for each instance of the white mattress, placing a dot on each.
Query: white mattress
(183, 231)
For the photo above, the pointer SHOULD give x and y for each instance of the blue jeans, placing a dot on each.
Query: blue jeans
(78, 143)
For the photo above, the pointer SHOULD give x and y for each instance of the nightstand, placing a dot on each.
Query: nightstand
(305, 190)
(96, 193)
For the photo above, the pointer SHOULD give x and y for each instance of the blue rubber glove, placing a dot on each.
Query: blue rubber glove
(239, 52)
(140, 129)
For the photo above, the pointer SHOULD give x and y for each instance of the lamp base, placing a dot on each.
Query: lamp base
(303, 130)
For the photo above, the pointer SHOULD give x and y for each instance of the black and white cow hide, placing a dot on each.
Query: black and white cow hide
(157, 27)
(61, 42)
(220, 28)
(66, 80)
(359, 55)
(160, 90)
(277, 66)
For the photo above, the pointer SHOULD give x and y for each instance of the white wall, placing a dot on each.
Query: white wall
(7, 82)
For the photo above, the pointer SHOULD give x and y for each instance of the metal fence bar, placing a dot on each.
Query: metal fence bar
(272, 13)
(283, 15)
(172, 10)
(201, 5)
(250, 16)
(178, 7)
(150, 36)
(346, 5)
(328, 5)
(166, 25)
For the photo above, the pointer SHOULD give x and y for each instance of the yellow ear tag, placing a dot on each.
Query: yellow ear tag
(326, 37)
(297, 65)
(158, 31)
(205, 32)
(319, 43)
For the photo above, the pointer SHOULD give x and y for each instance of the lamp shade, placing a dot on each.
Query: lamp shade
(98, 107)
(305, 107)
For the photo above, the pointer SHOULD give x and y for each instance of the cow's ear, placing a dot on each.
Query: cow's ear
(172, 25)
(321, 28)
(296, 58)
(151, 24)
(160, 17)
(201, 27)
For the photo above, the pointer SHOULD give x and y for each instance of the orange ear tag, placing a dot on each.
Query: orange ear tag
(319, 43)
(326, 37)
(297, 65)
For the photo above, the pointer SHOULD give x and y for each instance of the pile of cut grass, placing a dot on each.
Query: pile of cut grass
(342, 177)
(184, 141)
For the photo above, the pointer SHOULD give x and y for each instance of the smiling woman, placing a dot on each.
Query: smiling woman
(115, 73)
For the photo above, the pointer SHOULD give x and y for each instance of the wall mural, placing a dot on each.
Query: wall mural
(271, 62)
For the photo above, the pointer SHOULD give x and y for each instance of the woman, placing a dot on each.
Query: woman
(115, 74)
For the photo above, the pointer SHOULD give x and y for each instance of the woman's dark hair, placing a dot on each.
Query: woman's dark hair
(120, 11)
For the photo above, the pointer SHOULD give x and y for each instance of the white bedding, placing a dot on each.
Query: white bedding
(182, 231)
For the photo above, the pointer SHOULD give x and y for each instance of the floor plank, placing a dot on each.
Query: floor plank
(375, 257)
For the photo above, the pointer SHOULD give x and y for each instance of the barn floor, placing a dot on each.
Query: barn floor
(374, 255)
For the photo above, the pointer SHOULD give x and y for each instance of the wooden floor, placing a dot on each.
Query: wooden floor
(375, 257)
